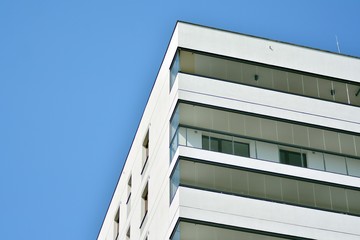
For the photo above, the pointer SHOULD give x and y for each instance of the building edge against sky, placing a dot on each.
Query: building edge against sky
(243, 137)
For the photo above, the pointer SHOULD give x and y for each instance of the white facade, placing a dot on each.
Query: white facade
(243, 138)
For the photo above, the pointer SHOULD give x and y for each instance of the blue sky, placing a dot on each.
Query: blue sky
(75, 77)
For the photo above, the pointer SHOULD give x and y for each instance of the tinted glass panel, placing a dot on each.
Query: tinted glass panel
(293, 158)
(241, 149)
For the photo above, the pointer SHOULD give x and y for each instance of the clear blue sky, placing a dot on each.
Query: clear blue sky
(74, 80)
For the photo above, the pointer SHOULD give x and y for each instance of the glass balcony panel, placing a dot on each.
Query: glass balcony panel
(264, 77)
(182, 136)
(340, 93)
(338, 199)
(325, 88)
(173, 147)
(306, 194)
(322, 196)
(301, 136)
(237, 124)
(188, 172)
(315, 160)
(187, 62)
(194, 138)
(273, 188)
(268, 129)
(354, 94)
(248, 74)
(295, 83)
(234, 72)
(189, 111)
(289, 191)
(310, 86)
(256, 185)
(174, 182)
(174, 123)
(174, 69)
(205, 175)
(316, 138)
(331, 141)
(335, 164)
(223, 179)
(252, 126)
(280, 80)
(202, 65)
(357, 145)
(347, 144)
(353, 198)
(353, 166)
(218, 68)
(239, 182)
(220, 120)
(284, 132)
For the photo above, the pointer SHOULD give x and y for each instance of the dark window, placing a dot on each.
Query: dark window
(116, 223)
(241, 149)
(128, 234)
(293, 158)
(128, 201)
(145, 157)
(144, 203)
(205, 142)
(225, 146)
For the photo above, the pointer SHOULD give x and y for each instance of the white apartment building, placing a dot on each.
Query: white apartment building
(243, 138)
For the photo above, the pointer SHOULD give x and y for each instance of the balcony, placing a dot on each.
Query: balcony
(265, 150)
(272, 187)
(240, 213)
(262, 138)
(265, 76)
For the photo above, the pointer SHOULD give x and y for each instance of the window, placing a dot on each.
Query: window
(128, 201)
(293, 158)
(116, 223)
(145, 152)
(128, 234)
(144, 204)
(225, 146)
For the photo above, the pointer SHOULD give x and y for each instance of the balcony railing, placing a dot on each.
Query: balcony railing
(265, 150)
